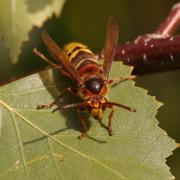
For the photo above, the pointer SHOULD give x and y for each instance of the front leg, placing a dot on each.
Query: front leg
(109, 127)
(112, 105)
(46, 106)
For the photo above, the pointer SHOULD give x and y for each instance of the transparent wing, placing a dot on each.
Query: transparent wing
(112, 37)
(59, 56)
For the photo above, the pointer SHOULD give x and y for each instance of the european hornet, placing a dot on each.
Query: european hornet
(79, 63)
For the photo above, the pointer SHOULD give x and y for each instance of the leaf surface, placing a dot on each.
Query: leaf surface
(38, 144)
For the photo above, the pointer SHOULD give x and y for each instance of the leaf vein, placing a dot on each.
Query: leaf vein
(20, 143)
(51, 152)
(60, 142)
(35, 90)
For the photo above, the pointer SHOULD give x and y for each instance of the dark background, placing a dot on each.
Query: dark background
(85, 21)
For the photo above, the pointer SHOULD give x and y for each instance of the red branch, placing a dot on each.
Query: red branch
(154, 52)
(151, 55)
(170, 24)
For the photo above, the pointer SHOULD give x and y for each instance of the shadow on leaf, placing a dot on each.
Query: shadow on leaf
(54, 79)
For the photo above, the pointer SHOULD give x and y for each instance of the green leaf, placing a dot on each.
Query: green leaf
(0, 122)
(17, 18)
(38, 144)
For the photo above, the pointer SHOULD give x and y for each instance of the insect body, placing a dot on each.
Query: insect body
(89, 69)
(80, 64)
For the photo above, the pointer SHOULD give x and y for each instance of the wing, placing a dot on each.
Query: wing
(112, 37)
(59, 56)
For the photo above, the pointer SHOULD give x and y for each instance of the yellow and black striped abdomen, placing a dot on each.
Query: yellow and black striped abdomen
(72, 49)
(79, 55)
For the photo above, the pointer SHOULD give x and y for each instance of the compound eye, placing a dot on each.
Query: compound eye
(94, 85)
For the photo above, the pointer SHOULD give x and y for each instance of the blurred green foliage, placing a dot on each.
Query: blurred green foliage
(85, 21)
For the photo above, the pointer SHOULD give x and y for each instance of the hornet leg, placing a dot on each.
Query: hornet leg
(117, 80)
(109, 127)
(46, 106)
(83, 124)
(42, 56)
